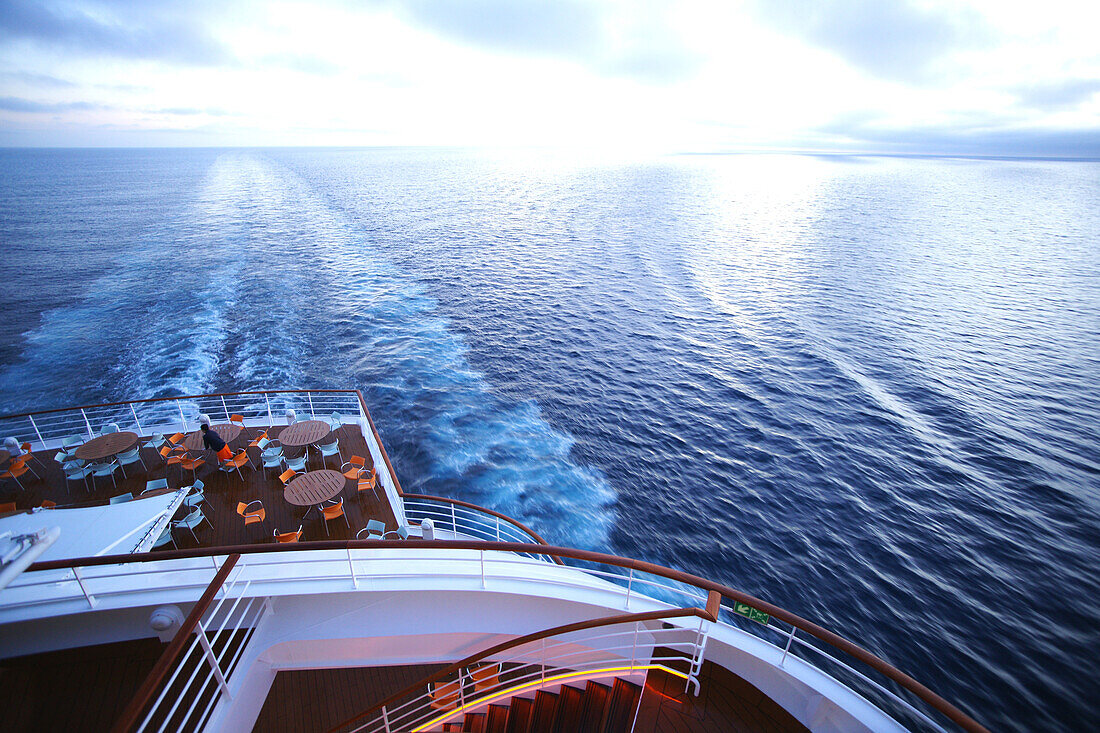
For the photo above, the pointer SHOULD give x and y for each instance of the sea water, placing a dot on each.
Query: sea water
(861, 388)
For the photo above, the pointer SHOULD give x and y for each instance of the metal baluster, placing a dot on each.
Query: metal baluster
(225, 408)
(270, 417)
(787, 648)
(454, 522)
(309, 397)
(482, 553)
(136, 422)
(183, 420)
(542, 660)
(355, 580)
(88, 596)
(212, 660)
(386, 719)
(33, 425)
(87, 424)
(629, 583)
(498, 529)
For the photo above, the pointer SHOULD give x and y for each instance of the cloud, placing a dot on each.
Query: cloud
(18, 104)
(638, 46)
(1058, 95)
(863, 132)
(896, 40)
(156, 31)
(38, 80)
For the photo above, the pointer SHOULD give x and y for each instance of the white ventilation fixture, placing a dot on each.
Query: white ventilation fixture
(165, 621)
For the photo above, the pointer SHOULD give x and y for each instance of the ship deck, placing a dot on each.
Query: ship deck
(222, 491)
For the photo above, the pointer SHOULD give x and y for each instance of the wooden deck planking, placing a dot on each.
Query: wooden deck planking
(222, 491)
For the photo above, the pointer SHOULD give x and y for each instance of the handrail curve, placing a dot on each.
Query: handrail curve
(835, 640)
(526, 639)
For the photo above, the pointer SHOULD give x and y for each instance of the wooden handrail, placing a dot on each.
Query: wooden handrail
(513, 522)
(525, 639)
(185, 397)
(819, 632)
(129, 718)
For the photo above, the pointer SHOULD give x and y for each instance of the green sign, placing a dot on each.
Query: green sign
(750, 613)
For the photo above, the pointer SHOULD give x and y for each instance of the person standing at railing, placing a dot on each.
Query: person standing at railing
(214, 442)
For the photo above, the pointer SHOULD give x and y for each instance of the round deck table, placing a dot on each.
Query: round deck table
(106, 446)
(303, 433)
(310, 489)
(226, 431)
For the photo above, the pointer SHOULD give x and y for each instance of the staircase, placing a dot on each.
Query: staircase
(595, 709)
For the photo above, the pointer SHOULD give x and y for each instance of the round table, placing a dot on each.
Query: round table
(312, 488)
(106, 446)
(226, 431)
(304, 433)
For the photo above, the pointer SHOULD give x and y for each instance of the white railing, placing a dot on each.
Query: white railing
(466, 523)
(402, 566)
(220, 638)
(622, 650)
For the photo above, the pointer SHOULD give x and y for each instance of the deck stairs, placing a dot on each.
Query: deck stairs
(595, 709)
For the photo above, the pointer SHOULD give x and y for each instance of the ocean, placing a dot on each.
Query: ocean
(861, 388)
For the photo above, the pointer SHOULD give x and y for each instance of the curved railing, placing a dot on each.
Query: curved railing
(466, 521)
(627, 575)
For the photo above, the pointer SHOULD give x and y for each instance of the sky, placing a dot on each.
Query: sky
(984, 77)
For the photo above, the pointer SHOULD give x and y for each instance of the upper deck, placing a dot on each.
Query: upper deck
(263, 412)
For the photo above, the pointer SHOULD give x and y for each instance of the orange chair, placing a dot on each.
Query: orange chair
(251, 516)
(239, 421)
(172, 457)
(47, 504)
(485, 676)
(289, 536)
(235, 463)
(192, 464)
(332, 510)
(27, 451)
(287, 476)
(354, 467)
(7, 507)
(255, 443)
(176, 439)
(17, 468)
(445, 696)
(369, 483)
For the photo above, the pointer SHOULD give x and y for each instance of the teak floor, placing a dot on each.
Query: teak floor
(223, 492)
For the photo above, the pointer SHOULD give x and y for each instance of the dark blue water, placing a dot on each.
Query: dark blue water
(864, 389)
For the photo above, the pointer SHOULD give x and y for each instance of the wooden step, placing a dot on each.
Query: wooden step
(620, 708)
(543, 712)
(570, 708)
(497, 721)
(519, 715)
(595, 699)
(473, 723)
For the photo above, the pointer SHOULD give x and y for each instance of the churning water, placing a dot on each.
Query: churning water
(864, 389)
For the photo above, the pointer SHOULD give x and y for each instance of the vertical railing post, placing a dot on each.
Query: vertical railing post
(212, 659)
(542, 660)
(33, 425)
(787, 648)
(386, 719)
(183, 420)
(309, 396)
(270, 417)
(92, 602)
(482, 553)
(136, 421)
(454, 522)
(498, 528)
(634, 648)
(629, 583)
(355, 580)
(226, 409)
(87, 424)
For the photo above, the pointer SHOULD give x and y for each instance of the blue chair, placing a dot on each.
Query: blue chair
(75, 471)
(332, 449)
(130, 456)
(401, 532)
(272, 459)
(104, 469)
(298, 464)
(122, 498)
(160, 483)
(195, 497)
(109, 428)
(375, 530)
(336, 421)
(192, 520)
(165, 538)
